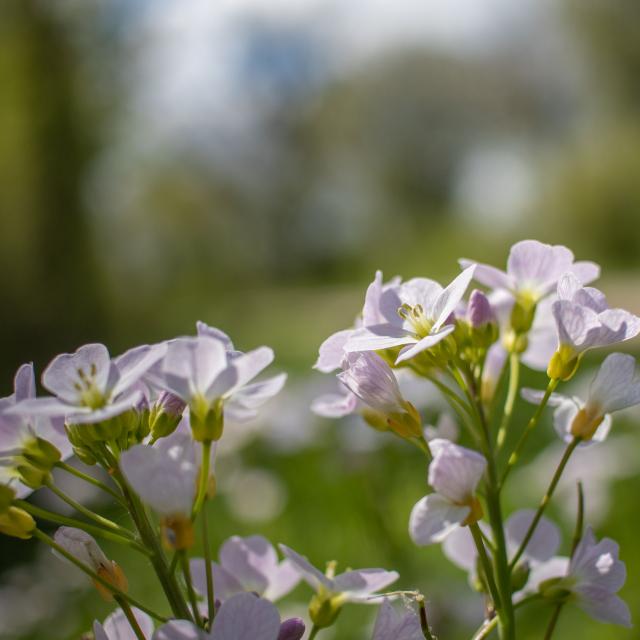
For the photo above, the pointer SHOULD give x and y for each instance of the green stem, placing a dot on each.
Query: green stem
(78, 524)
(105, 522)
(186, 571)
(554, 621)
(40, 535)
(90, 479)
(424, 623)
(211, 601)
(486, 564)
(487, 627)
(513, 458)
(512, 393)
(577, 533)
(126, 609)
(314, 632)
(545, 500)
(204, 478)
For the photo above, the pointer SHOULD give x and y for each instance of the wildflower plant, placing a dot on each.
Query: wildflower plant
(152, 419)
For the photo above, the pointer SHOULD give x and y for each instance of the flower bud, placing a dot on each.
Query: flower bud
(523, 312)
(165, 415)
(17, 523)
(36, 462)
(479, 311)
(7, 495)
(82, 546)
(520, 576)
(324, 609)
(291, 629)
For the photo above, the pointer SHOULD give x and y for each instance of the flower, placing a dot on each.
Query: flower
(479, 311)
(584, 321)
(391, 625)
(117, 627)
(381, 304)
(207, 376)
(533, 270)
(241, 617)
(83, 547)
(614, 387)
(90, 387)
(332, 591)
(591, 579)
(247, 564)
(445, 428)
(454, 473)
(14, 521)
(29, 445)
(420, 318)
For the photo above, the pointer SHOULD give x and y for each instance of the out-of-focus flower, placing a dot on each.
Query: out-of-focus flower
(454, 474)
(292, 629)
(446, 428)
(332, 592)
(584, 321)
(615, 387)
(591, 579)
(212, 380)
(29, 445)
(419, 321)
(247, 564)
(241, 617)
(117, 627)
(14, 522)
(83, 547)
(393, 625)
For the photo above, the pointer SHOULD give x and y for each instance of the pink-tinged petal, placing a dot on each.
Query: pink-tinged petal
(358, 585)
(433, 518)
(87, 416)
(381, 301)
(538, 266)
(133, 364)
(24, 384)
(204, 329)
(615, 386)
(391, 625)
(596, 564)
(446, 428)
(117, 627)
(283, 579)
(256, 394)
(191, 365)
(312, 576)
(460, 548)
(165, 480)
(376, 337)
(578, 326)
(449, 298)
(81, 546)
(335, 405)
(241, 370)
(420, 291)
(424, 344)
(42, 407)
(618, 325)
(455, 471)
(99, 632)
(604, 606)
(237, 414)
(543, 544)
(225, 584)
(586, 271)
(250, 560)
(246, 616)
(489, 276)
(180, 630)
(332, 351)
(65, 373)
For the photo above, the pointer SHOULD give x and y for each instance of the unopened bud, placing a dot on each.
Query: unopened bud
(165, 415)
(7, 496)
(291, 629)
(207, 421)
(563, 364)
(17, 523)
(479, 311)
(324, 609)
(520, 576)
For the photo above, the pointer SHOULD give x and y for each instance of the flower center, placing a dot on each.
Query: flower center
(417, 318)
(90, 395)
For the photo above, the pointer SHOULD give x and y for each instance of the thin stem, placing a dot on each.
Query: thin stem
(105, 522)
(90, 479)
(512, 393)
(204, 478)
(489, 625)
(40, 535)
(545, 500)
(314, 632)
(126, 609)
(211, 600)
(424, 623)
(513, 458)
(577, 534)
(186, 571)
(486, 564)
(43, 514)
(553, 622)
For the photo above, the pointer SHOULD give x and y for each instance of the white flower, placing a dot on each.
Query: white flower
(454, 474)
(117, 627)
(614, 387)
(247, 564)
(420, 318)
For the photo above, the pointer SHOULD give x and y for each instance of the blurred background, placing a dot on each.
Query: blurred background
(250, 164)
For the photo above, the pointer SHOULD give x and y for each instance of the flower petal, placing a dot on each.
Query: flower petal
(543, 543)
(455, 471)
(180, 630)
(615, 386)
(117, 627)
(358, 585)
(603, 606)
(396, 626)
(225, 584)
(424, 344)
(256, 394)
(489, 276)
(133, 364)
(312, 576)
(433, 518)
(24, 384)
(246, 616)
(205, 329)
(331, 351)
(449, 298)
(241, 370)
(335, 405)
(379, 336)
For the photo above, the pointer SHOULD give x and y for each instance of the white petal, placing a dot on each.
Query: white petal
(250, 560)
(380, 336)
(433, 518)
(358, 585)
(563, 418)
(554, 568)
(164, 481)
(87, 416)
(586, 271)
(489, 276)
(133, 364)
(309, 573)
(247, 366)
(538, 266)
(42, 407)
(535, 396)
(448, 300)
(543, 544)
(455, 471)
(420, 291)
(282, 580)
(24, 384)
(618, 325)
(615, 386)
(180, 630)
(393, 626)
(224, 583)
(425, 343)
(460, 548)
(578, 326)
(245, 616)
(117, 627)
(256, 394)
(204, 329)
(604, 607)
(332, 351)
(62, 377)
(596, 564)
(82, 546)
(335, 405)
(381, 301)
